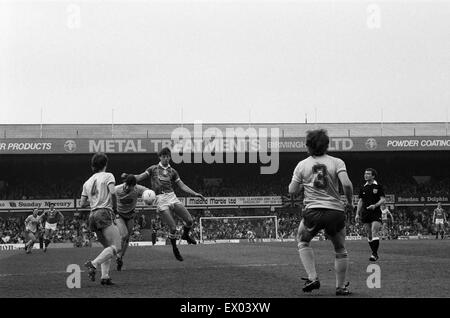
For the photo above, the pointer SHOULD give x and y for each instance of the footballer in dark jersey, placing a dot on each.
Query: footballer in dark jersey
(163, 178)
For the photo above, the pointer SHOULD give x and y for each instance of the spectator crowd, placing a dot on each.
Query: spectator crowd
(408, 220)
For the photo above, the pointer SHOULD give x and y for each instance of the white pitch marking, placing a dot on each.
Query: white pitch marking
(194, 267)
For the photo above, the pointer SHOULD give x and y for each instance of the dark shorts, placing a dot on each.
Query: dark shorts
(128, 219)
(100, 219)
(127, 216)
(332, 221)
(368, 216)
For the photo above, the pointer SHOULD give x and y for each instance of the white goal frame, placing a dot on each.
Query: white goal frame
(239, 217)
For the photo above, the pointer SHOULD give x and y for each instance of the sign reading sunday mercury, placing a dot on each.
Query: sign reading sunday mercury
(39, 204)
(218, 145)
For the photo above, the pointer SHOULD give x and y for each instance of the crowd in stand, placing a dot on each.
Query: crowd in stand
(71, 230)
(11, 230)
(408, 221)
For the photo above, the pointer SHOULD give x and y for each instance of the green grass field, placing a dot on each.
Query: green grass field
(408, 269)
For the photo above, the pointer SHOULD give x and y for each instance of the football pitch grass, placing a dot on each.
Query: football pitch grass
(419, 268)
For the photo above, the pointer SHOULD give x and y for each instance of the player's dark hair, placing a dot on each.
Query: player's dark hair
(317, 142)
(165, 152)
(373, 171)
(52, 204)
(130, 181)
(99, 161)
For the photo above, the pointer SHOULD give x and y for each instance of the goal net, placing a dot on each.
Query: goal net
(238, 227)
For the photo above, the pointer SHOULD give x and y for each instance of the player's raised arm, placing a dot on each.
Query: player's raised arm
(188, 190)
(392, 217)
(139, 177)
(61, 216)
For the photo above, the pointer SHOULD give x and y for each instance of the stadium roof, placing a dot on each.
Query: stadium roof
(164, 130)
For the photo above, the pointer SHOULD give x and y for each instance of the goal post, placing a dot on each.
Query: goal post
(235, 227)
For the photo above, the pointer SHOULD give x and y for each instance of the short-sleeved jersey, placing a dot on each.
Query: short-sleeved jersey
(52, 216)
(162, 178)
(439, 213)
(371, 194)
(97, 191)
(32, 222)
(126, 201)
(319, 177)
(384, 214)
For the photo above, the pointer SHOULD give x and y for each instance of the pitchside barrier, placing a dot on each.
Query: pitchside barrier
(220, 202)
(13, 247)
(272, 202)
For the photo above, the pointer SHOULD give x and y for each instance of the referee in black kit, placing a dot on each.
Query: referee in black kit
(371, 197)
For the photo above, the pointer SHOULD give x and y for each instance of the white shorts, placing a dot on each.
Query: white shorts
(49, 226)
(166, 201)
(439, 221)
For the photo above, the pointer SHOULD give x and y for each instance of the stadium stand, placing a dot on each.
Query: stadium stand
(165, 130)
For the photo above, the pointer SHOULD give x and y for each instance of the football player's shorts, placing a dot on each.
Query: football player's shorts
(30, 235)
(368, 216)
(100, 219)
(128, 222)
(165, 201)
(127, 216)
(439, 221)
(332, 221)
(50, 226)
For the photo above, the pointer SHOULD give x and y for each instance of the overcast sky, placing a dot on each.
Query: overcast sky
(224, 61)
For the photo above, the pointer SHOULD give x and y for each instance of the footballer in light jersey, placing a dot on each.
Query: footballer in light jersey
(251, 236)
(127, 195)
(385, 215)
(163, 177)
(439, 219)
(52, 217)
(318, 176)
(31, 230)
(99, 192)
